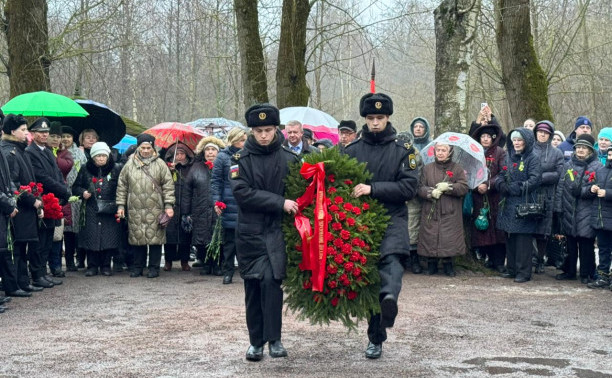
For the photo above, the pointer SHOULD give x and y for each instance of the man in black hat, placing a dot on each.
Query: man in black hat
(348, 132)
(394, 182)
(48, 174)
(257, 179)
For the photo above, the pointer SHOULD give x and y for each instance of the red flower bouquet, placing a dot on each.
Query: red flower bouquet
(332, 269)
(51, 207)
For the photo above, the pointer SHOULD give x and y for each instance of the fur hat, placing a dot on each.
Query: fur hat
(41, 125)
(99, 148)
(327, 143)
(308, 133)
(586, 140)
(375, 103)
(145, 138)
(56, 128)
(262, 115)
(347, 125)
(13, 122)
(582, 120)
(209, 140)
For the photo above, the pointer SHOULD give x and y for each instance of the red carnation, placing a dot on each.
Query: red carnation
(344, 234)
(514, 165)
(334, 301)
(334, 208)
(98, 190)
(332, 284)
(356, 272)
(364, 260)
(351, 295)
(220, 205)
(331, 178)
(332, 269)
(349, 266)
(356, 210)
(586, 172)
(209, 164)
(331, 251)
(346, 249)
(339, 259)
(100, 180)
(348, 182)
(341, 215)
(356, 242)
(355, 256)
(505, 167)
(449, 174)
(317, 298)
(94, 180)
(343, 277)
(338, 243)
(350, 221)
(331, 190)
(338, 200)
(365, 206)
(347, 206)
(336, 226)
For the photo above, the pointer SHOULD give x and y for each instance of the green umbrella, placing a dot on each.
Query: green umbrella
(44, 104)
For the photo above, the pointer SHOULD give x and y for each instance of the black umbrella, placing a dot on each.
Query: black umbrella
(108, 124)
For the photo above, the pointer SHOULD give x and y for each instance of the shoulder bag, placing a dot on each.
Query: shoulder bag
(530, 210)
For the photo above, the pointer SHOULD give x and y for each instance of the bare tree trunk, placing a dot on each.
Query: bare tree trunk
(291, 86)
(125, 90)
(593, 106)
(525, 82)
(78, 84)
(318, 56)
(455, 27)
(254, 81)
(28, 46)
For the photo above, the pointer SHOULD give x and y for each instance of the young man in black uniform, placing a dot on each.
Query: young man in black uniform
(257, 175)
(394, 182)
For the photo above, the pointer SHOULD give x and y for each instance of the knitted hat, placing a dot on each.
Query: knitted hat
(606, 132)
(586, 140)
(262, 115)
(516, 135)
(13, 122)
(56, 128)
(41, 125)
(547, 126)
(375, 103)
(347, 125)
(99, 148)
(145, 138)
(559, 133)
(582, 120)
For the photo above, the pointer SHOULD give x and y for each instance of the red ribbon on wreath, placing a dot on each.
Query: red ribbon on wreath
(314, 244)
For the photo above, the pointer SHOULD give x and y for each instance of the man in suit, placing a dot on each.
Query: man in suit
(295, 139)
(48, 174)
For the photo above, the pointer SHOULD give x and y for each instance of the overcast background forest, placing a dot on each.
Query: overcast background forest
(179, 60)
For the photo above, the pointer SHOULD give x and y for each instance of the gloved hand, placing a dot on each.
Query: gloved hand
(444, 186)
(436, 193)
(514, 189)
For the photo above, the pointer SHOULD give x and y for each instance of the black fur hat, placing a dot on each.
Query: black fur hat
(375, 103)
(12, 122)
(262, 115)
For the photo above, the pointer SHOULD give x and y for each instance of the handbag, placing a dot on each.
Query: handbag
(556, 251)
(106, 206)
(482, 221)
(468, 204)
(162, 219)
(58, 232)
(530, 210)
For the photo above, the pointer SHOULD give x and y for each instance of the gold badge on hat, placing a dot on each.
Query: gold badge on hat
(262, 116)
(378, 105)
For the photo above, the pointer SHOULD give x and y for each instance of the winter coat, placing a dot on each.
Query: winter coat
(175, 234)
(101, 231)
(71, 210)
(26, 221)
(257, 180)
(495, 157)
(306, 147)
(65, 163)
(519, 182)
(424, 140)
(393, 183)
(601, 211)
(137, 194)
(197, 202)
(7, 202)
(567, 147)
(551, 161)
(442, 219)
(221, 188)
(574, 200)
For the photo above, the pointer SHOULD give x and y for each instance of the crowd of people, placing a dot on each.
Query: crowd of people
(120, 211)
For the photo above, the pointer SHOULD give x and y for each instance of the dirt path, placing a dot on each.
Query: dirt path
(185, 325)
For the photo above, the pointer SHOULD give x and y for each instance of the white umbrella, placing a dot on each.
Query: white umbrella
(322, 124)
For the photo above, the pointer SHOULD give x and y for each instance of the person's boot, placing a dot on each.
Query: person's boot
(206, 270)
(601, 283)
(57, 272)
(217, 270)
(432, 266)
(448, 268)
(106, 271)
(185, 266)
(70, 266)
(415, 264)
(168, 266)
(197, 264)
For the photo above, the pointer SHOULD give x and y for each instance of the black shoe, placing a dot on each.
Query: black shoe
(152, 273)
(277, 349)
(20, 294)
(217, 271)
(71, 268)
(373, 351)
(136, 273)
(41, 282)
(107, 272)
(91, 273)
(197, 264)
(539, 269)
(564, 277)
(58, 273)
(432, 268)
(521, 279)
(2, 309)
(4, 300)
(448, 269)
(254, 353)
(508, 275)
(54, 281)
(31, 288)
(81, 265)
(599, 284)
(415, 265)
(206, 270)
(227, 279)
(388, 311)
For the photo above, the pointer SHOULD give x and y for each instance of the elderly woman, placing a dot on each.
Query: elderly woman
(518, 183)
(490, 241)
(222, 192)
(87, 138)
(551, 161)
(96, 184)
(574, 204)
(442, 186)
(179, 159)
(198, 205)
(145, 191)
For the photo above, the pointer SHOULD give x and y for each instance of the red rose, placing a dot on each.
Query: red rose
(346, 249)
(343, 277)
(350, 221)
(94, 180)
(336, 226)
(586, 172)
(98, 190)
(332, 284)
(334, 208)
(339, 259)
(347, 206)
(332, 269)
(449, 174)
(209, 164)
(331, 190)
(348, 182)
(341, 215)
(505, 167)
(514, 165)
(338, 243)
(338, 200)
(351, 295)
(344, 234)
(356, 210)
(356, 272)
(334, 301)
(331, 178)
(365, 206)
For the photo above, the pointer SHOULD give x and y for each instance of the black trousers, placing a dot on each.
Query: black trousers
(69, 247)
(24, 252)
(45, 243)
(519, 249)
(229, 251)
(8, 270)
(391, 271)
(496, 253)
(140, 257)
(583, 248)
(264, 308)
(99, 259)
(173, 252)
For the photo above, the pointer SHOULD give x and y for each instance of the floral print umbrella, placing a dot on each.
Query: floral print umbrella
(168, 133)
